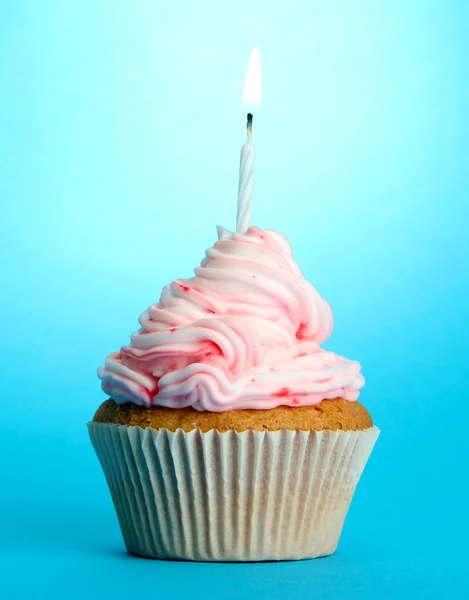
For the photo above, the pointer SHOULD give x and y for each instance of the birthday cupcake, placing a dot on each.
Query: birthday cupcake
(230, 434)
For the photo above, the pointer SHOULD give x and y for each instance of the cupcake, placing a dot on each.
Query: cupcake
(229, 433)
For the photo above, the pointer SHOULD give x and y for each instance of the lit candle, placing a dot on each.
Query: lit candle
(251, 97)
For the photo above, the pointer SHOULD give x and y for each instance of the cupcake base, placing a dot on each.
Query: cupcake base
(337, 414)
(231, 496)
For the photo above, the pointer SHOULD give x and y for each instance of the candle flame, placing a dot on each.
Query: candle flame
(252, 84)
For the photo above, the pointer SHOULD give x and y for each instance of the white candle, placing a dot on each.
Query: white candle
(246, 182)
(251, 97)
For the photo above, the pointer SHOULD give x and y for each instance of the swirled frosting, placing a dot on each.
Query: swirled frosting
(244, 332)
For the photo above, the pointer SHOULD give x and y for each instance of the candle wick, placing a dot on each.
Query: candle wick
(249, 125)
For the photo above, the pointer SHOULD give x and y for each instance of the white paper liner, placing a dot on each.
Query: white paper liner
(231, 496)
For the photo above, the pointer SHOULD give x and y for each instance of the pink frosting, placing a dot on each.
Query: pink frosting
(243, 333)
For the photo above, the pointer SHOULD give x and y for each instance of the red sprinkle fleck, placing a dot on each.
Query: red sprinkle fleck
(253, 380)
(151, 396)
(302, 354)
(301, 330)
(185, 287)
(295, 401)
(209, 310)
(282, 393)
(212, 348)
(173, 330)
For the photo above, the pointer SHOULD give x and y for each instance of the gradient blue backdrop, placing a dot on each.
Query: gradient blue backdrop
(120, 131)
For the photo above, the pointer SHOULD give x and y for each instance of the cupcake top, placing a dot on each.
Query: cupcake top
(243, 333)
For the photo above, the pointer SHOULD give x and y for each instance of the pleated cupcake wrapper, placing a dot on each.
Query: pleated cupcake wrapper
(231, 496)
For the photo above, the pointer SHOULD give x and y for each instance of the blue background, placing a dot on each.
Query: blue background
(120, 130)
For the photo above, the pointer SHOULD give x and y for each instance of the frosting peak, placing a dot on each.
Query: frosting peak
(244, 332)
